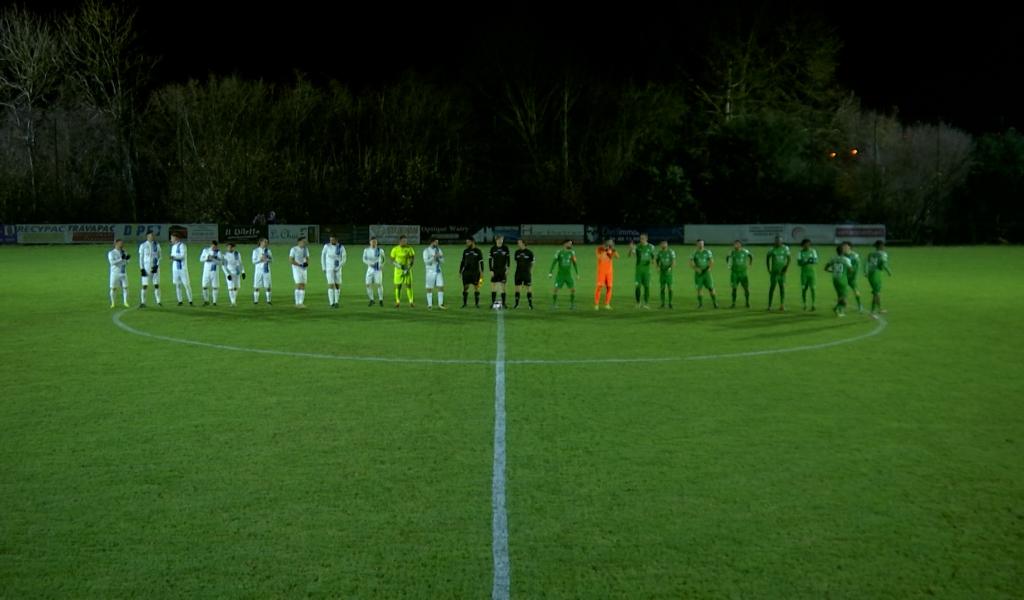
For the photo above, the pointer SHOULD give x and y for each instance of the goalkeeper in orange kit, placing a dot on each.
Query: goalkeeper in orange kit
(605, 255)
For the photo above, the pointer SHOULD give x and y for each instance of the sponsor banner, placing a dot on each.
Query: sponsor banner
(66, 233)
(203, 233)
(624, 234)
(860, 234)
(791, 233)
(136, 232)
(447, 234)
(291, 233)
(389, 234)
(249, 235)
(486, 234)
(552, 234)
(346, 234)
(819, 234)
(8, 234)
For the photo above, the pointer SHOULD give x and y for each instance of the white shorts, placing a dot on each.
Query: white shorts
(179, 276)
(153, 278)
(210, 279)
(300, 275)
(261, 279)
(333, 276)
(119, 280)
(435, 280)
(374, 277)
(236, 279)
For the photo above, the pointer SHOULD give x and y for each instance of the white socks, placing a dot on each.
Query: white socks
(111, 296)
(430, 299)
(333, 295)
(380, 292)
(177, 291)
(440, 298)
(300, 296)
(156, 293)
(369, 293)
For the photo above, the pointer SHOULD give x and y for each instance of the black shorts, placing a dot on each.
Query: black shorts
(524, 278)
(470, 278)
(499, 277)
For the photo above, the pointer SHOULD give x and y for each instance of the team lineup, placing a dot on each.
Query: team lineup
(845, 268)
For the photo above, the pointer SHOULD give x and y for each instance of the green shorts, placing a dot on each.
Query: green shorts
(842, 289)
(739, 279)
(851, 281)
(665, 277)
(703, 280)
(875, 280)
(564, 281)
(779, 278)
(643, 277)
(808, 278)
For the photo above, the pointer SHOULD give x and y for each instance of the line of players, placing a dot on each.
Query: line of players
(844, 268)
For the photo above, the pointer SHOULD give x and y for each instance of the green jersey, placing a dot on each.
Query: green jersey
(565, 260)
(702, 259)
(665, 259)
(840, 267)
(644, 254)
(778, 257)
(807, 259)
(740, 260)
(877, 261)
(854, 263)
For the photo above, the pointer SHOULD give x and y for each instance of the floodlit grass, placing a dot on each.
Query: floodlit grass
(133, 465)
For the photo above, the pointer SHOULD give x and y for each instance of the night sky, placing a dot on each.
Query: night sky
(961, 66)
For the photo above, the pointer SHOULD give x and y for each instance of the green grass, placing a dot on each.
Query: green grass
(889, 467)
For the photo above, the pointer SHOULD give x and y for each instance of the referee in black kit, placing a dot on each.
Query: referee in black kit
(471, 269)
(501, 257)
(524, 272)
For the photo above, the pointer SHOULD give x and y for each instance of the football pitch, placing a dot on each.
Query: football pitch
(259, 451)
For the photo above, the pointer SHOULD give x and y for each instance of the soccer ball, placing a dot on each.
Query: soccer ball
(496, 306)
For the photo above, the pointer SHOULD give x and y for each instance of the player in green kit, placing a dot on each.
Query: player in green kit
(807, 258)
(666, 261)
(644, 252)
(739, 259)
(854, 272)
(701, 262)
(778, 263)
(839, 266)
(878, 261)
(565, 261)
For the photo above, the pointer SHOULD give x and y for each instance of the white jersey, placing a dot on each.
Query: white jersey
(233, 263)
(261, 258)
(118, 268)
(118, 264)
(372, 258)
(301, 257)
(149, 256)
(333, 257)
(433, 258)
(210, 259)
(179, 254)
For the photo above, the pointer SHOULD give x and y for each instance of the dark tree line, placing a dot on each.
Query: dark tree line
(758, 130)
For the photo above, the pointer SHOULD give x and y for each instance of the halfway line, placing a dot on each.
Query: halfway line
(499, 519)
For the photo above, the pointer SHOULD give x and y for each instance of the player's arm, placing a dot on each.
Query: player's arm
(575, 265)
(785, 267)
(768, 262)
(490, 263)
(554, 263)
(693, 264)
(323, 258)
(711, 263)
(632, 248)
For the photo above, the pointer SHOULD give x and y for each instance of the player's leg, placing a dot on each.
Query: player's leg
(745, 283)
(636, 288)
(698, 282)
(504, 294)
(647, 289)
(269, 285)
(782, 291)
(214, 286)
(143, 286)
(609, 287)
(529, 294)
(519, 291)
(856, 293)
(771, 289)
(154, 278)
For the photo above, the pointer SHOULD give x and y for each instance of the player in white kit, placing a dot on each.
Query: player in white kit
(179, 269)
(261, 258)
(149, 265)
(372, 258)
(211, 260)
(433, 258)
(332, 259)
(234, 272)
(118, 272)
(299, 259)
